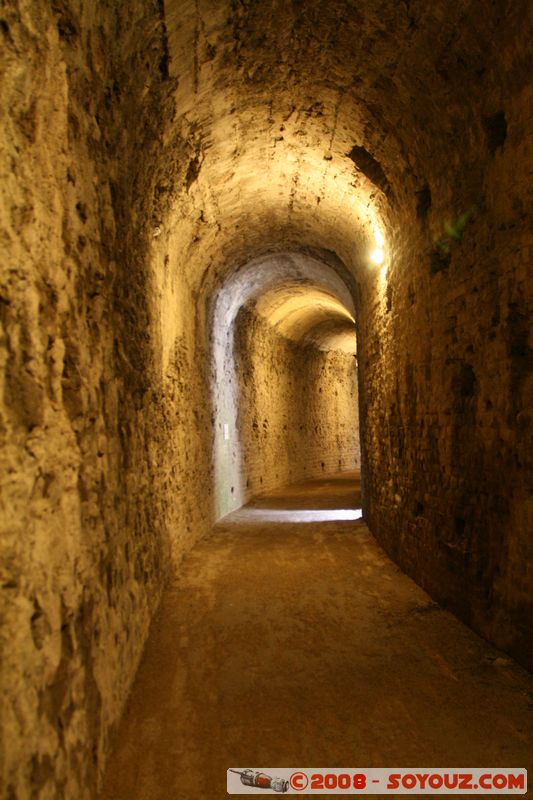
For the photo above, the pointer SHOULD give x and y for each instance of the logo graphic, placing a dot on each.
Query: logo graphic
(299, 781)
(250, 777)
(382, 781)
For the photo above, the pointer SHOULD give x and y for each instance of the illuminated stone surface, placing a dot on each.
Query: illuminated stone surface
(150, 153)
(291, 639)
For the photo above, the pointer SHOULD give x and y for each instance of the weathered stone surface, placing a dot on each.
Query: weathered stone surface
(150, 151)
(84, 503)
(297, 411)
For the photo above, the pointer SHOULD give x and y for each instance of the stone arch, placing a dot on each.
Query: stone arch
(324, 296)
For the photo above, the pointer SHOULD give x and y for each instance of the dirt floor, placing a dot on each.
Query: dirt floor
(292, 641)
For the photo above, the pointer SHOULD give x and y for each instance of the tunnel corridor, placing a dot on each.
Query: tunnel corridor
(285, 389)
(289, 642)
(250, 245)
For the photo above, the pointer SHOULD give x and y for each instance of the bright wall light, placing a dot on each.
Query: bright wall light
(377, 256)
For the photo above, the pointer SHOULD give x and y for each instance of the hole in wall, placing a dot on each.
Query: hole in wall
(495, 131)
(423, 202)
(371, 168)
(439, 260)
(465, 384)
(419, 509)
(389, 297)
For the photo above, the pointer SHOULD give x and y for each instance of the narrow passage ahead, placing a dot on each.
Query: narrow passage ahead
(291, 640)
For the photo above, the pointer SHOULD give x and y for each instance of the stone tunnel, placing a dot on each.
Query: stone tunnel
(262, 256)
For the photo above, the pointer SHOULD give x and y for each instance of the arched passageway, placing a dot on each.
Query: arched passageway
(151, 151)
(284, 380)
(291, 639)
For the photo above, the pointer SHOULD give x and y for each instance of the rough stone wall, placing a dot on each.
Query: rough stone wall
(297, 414)
(135, 175)
(83, 415)
(319, 123)
(446, 350)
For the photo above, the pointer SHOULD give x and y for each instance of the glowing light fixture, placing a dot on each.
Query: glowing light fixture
(377, 256)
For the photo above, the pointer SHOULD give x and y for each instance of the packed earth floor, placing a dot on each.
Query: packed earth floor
(291, 639)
